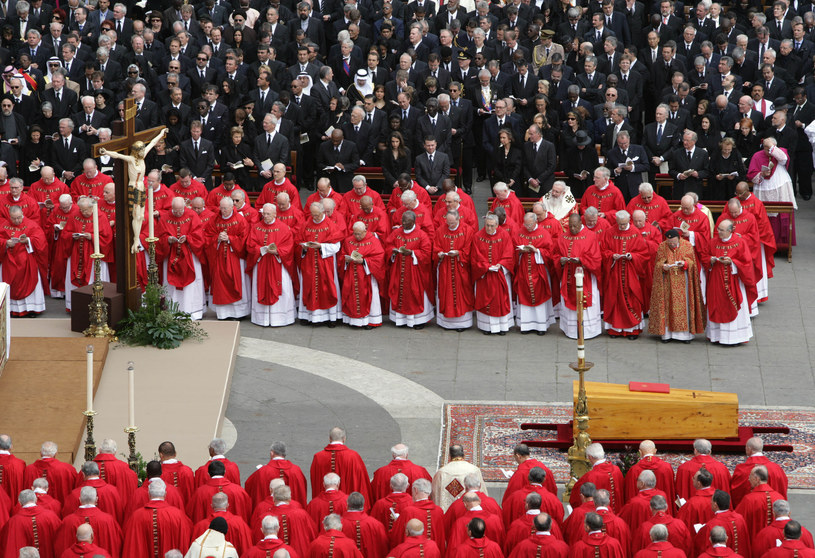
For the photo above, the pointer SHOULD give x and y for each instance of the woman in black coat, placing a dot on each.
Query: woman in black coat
(726, 160)
(237, 152)
(747, 141)
(507, 162)
(396, 159)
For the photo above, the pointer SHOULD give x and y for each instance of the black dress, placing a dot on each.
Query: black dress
(507, 166)
(724, 189)
(28, 153)
(232, 153)
(393, 167)
(746, 145)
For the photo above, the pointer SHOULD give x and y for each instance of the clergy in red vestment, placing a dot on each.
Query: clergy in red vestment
(693, 224)
(40, 488)
(107, 211)
(162, 196)
(697, 509)
(238, 532)
(353, 198)
(332, 542)
(141, 495)
(225, 237)
(765, 230)
(156, 528)
(330, 500)
(423, 509)
(116, 472)
(603, 195)
(625, 256)
(465, 199)
(523, 527)
(652, 237)
(603, 474)
(278, 467)
(270, 261)
(47, 191)
(613, 526)
(410, 285)
(362, 269)
(80, 267)
(718, 545)
(109, 500)
(477, 545)
(381, 483)
(638, 508)
(541, 543)
(181, 249)
(318, 241)
(243, 207)
(33, 526)
(596, 224)
(61, 476)
(90, 183)
(773, 534)
(656, 209)
(338, 458)
(740, 484)
(492, 263)
(223, 191)
(523, 457)
(85, 545)
(458, 534)
(24, 263)
(424, 216)
(368, 534)
(678, 534)
(324, 190)
(792, 546)
(472, 485)
(404, 183)
(548, 221)
(701, 459)
(451, 264)
(289, 213)
(731, 287)
(506, 198)
(533, 287)
(187, 187)
(239, 502)
(58, 245)
(270, 543)
(738, 536)
(574, 527)
(174, 472)
(296, 527)
(216, 450)
(659, 546)
(649, 461)
(16, 197)
(387, 509)
(415, 544)
(279, 184)
(756, 506)
(595, 543)
(580, 247)
(513, 507)
(11, 468)
(375, 218)
(746, 225)
(452, 202)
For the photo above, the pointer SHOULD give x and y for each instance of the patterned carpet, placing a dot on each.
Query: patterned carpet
(489, 431)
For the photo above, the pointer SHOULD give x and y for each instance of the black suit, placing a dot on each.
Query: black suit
(539, 165)
(69, 159)
(435, 174)
(67, 104)
(27, 107)
(98, 120)
(699, 161)
(682, 120)
(661, 74)
(148, 114)
(670, 140)
(628, 181)
(328, 156)
(442, 132)
(202, 164)
(314, 31)
(197, 83)
(609, 138)
(803, 157)
(324, 95)
(277, 152)
(265, 107)
(364, 139)
(593, 87)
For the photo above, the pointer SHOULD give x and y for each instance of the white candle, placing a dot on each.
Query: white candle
(150, 204)
(131, 392)
(89, 381)
(95, 227)
(578, 276)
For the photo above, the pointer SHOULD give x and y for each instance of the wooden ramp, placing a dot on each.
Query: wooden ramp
(43, 387)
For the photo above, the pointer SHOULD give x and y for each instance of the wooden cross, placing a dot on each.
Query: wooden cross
(125, 261)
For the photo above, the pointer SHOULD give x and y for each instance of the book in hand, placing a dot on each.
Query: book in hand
(266, 165)
(684, 227)
(734, 174)
(767, 168)
(238, 165)
(330, 168)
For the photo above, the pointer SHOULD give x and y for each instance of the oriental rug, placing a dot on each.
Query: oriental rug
(489, 430)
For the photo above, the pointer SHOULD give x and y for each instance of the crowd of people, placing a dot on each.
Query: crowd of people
(699, 510)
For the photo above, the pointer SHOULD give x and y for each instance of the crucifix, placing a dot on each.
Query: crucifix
(125, 168)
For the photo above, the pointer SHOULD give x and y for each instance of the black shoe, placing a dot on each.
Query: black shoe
(807, 197)
(541, 332)
(331, 324)
(418, 326)
(502, 333)
(686, 341)
(526, 332)
(665, 340)
(486, 332)
(304, 322)
(480, 178)
(368, 327)
(633, 337)
(459, 329)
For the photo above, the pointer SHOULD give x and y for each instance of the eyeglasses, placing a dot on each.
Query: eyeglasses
(15, 87)
(202, 59)
(132, 72)
(571, 118)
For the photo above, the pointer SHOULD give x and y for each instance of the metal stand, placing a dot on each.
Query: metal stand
(152, 266)
(98, 309)
(578, 462)
(132, 459)
(90, 444)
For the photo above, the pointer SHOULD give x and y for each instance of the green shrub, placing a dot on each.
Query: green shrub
(158, 322)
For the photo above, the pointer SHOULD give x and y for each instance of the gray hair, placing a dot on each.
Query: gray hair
(270, 525)
(108, 445)
(279, 448)
(658, 533)
(157, 489)
(702, 446)
(399, 482)
(408, 197)
(29, 552)
(648, 479)
(595, 451)
(422, 485)
(646, 188)
(27, 497)
(218, 446)
(90, 469)
(87, 495)
(331, 479)
(332, 521)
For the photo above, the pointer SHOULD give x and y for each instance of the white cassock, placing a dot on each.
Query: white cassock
(282, 312)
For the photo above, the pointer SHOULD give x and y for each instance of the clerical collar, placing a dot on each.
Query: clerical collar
(172, 461)
(226, 218)
(596, 463)
(85, 506)
(782, 517)
(335, 443)
(627, 226)
(30, 505)
(533, 512)
(330, 490)
(757, 454)
(4, 452)
(410, 230)
(270, 538)
(317, 223)
(330, 191)
(728, 240)
(272, 223)
(493, 233)
(43, 491)
(476, 508)
(421, 499)
(216, 477)
(454, 228)
(279, 183)
(719, 546)
(595, 532)
(543, 533)
(601, 188)
(400, 458)
(601, 508)
(275, 458)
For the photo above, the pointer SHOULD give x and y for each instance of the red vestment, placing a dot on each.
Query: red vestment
(248, 213)
(623, 292)
(740, 485)
(381, 483)
(678, 534)
(719, 552)
(325, 503)
(662, 549)
(697, 508)
(180, 476)
(531, 282)
(416, 547)
(23, 270)
(108, 501)
(540, 546)
(11, 474)
(267, 547)
(662, 471)
(638, 509)
(342, 460)
(293, 217)
(586, 246)
(333, 544)
(59, 246)
(200, 505)
(657, 210)
(597, 545)
(162, 197)
(213, 199)
(377, 222)
(604, 474)
(368, 534)
(84, 186)
(357, 290)
(746, 225)
(465, 200)
(225, 257)
(757, 508)
(195, 190)
(257, 485)
(409, 283)
(467, 216)
(271, 190)
(615, 527)
(395, 199)
(60, 476)
(431, 515)
(179, 256)
(765, 230)
(652, 237)
(384, 509)
(296, 527)
(457, 509)
(790, 549)
(44, 500)
(41, 191)
(723, 293)
(32, 526)
(686, 471)
(491, 288)
(608, 201)
(523, 528)
(699, 225)
(238, 532)
(29, 205)
(174, 530)
(339, 201)
(83, 550)
(319, 289)
(574, 527)
(458, 535)
(520, 478)
(80, 249)
(738, 536)
(478, 548)
(270, 266)
(512, 205)
(119, 474)
(141, 496)
(515, 505)
(424, 219)
(353, 201)
(599, 227)
(454, 285)
(772, 534)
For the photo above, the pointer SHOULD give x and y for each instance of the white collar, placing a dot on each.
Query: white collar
(410, 230)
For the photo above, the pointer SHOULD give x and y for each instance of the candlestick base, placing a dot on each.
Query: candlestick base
(98, 309)
(132, 458)
(152, 266)
(90, 444)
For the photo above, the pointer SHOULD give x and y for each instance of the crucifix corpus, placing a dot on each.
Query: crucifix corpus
(128, 176)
